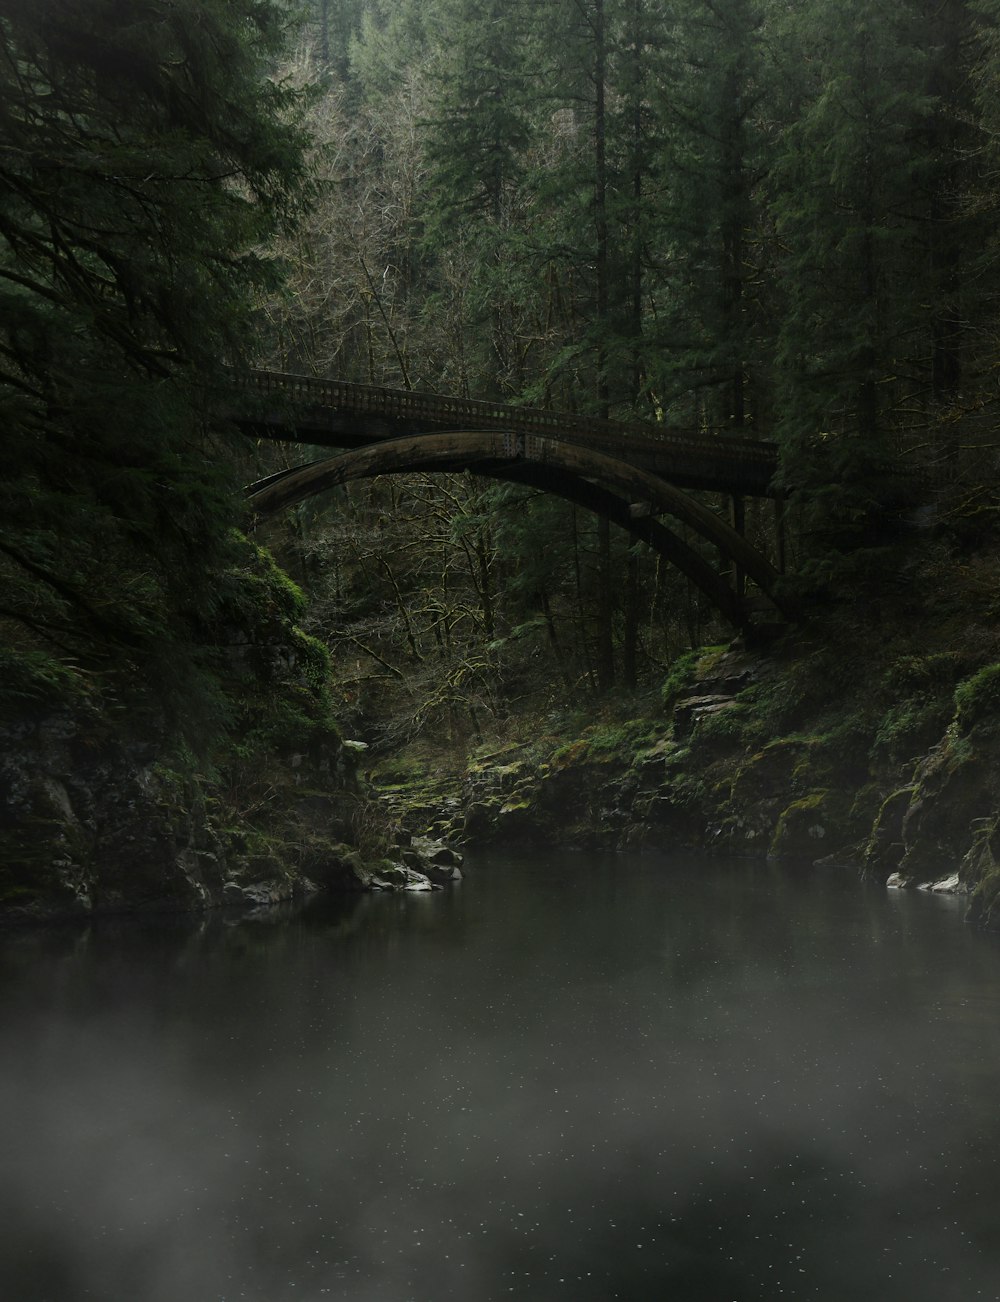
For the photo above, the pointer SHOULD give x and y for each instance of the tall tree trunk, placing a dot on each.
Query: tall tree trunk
(605, 632)
(734, 183)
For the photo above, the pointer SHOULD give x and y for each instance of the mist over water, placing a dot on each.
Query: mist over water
(573, 1077)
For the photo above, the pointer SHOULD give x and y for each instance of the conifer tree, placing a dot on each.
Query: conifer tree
(145, 159)
(853, 203)
(710, 84)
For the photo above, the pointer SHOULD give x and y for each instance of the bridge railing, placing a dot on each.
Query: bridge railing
(434, 409)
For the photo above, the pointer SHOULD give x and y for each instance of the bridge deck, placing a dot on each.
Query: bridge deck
(334, 413)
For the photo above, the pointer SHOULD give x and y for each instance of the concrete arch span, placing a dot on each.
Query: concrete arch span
(580, 475)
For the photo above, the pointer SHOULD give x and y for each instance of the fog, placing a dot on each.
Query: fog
(575, 1078)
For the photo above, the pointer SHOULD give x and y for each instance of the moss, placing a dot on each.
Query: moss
(809, 827)
(519, 804)
(885, 848)
(399, 770)
(257, 587)
(912, 675)
(729, 723)
(977, 700)
(604, 744)
(312, 657)
(980, 871)
(686, 670)
(909, 728)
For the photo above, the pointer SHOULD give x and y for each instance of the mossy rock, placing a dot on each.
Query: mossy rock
(399, 771)
(754, 792)
(885, 848)
(711, 722)
(811, 827)
(955, 788)
(688, 669)
(977, 700)
(480, 820)
(980, 873)
(516, 822)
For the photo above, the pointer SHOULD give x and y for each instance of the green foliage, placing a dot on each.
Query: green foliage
(711, 145)
(684, 671)
(920, 673)
(401, 769)
(151, 155)
(869, 321)
(977, 700)
(481, 131)
(741, 215)
(605, 743)
(981, 867)
(909, 728)
(148, 158)
(734, 723)
(921, 690)
(254, 589)
(28, 676)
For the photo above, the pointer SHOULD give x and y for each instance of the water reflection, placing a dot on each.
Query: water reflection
(572, 1077)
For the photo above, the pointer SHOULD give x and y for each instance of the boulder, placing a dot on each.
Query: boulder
(389, 876)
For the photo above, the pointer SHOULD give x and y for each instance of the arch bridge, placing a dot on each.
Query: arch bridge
(621, 470)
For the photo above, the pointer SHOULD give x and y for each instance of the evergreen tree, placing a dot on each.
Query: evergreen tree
(478, 137)
(709, 366)
(853, 203)
(146, 157)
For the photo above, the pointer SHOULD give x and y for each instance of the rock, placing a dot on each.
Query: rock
(398, 877)
(950, 885)
(807, 825)
(885, 849)
(841, 861)
(691, 711)
(442, 875)
(91, 822)
(435, 852)
(433, 859)
(256, 894)
(954, 789)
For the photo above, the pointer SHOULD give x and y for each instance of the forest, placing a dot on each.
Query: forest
(735, 217)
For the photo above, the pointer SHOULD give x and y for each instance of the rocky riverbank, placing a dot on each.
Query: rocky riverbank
(791, 755)
(94, 820)
(781, 757)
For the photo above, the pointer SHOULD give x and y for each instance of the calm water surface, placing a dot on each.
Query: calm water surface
(574, 1077)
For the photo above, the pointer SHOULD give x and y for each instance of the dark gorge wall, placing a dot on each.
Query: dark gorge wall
(96, 819)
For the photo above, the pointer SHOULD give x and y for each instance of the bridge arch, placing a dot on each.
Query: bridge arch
(581, 475)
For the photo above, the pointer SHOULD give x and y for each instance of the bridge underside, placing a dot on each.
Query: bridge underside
(588, 478)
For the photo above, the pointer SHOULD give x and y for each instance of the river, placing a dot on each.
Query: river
(571, 1077)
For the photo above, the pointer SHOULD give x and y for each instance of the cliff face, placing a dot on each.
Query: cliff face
(224, 783)
(92, 819)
